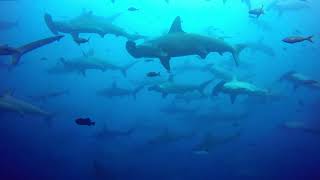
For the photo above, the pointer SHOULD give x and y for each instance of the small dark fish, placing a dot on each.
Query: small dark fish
(297, 39)
(80, 40)
(153, 74)
(133, 9)
(257, 12)
(85, 122)
(148, 60)
(43, 59)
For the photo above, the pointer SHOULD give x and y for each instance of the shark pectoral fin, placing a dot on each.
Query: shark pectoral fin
(203, 54)
(75, 36)
(83, 72)
(233, 98)
(51, 24)
(165, 61)
(16, 58)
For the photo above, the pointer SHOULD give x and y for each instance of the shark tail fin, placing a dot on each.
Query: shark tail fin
(125, 68)
(136, 90)
(310, 39)
(237, 50)
(50, 23)
(63, 61)
(131, 131)
(218, 88)
(16, 58)
(32, 46)
(203, 86)
(131, 47)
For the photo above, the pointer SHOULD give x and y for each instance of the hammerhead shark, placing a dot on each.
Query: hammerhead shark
(107, 133)
(287, 6)
(302, 126)
(235, 88)
(171, 87)
(174, 109)
(84, 63)
(210, 142)
(178, 43)
(169, 136)
(16, 53)
(247, 2)
(115, 91)
(300, 80)
(260, 46)
(49, 95)
(87, 22)
(8, 103)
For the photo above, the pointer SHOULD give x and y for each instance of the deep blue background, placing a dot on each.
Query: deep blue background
(31, 150)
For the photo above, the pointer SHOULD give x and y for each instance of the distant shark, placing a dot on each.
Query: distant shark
(235, 88)
(300, 80)
(87, 22)
(247, 2)
(168, 136)
(226, 74)
(186, 67)
(262, 24)
(7, 25)
(173, 109)
(302, 126)
(191, 96)
(82, 64)
(259, 46)
(171, 87)
(115, 91)
(287, 6)
(49, 95)
(210, 142)
(16, 53)
(107, 134)
(221, 114)
(8, 103)
(178, 43)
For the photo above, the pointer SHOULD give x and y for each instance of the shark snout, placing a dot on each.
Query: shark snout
(132, 49)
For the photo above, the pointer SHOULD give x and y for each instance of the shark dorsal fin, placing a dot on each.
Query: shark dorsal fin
(114, 84)
(63, 60)
(176, 26)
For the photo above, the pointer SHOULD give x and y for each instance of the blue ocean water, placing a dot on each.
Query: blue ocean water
(271, 130)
